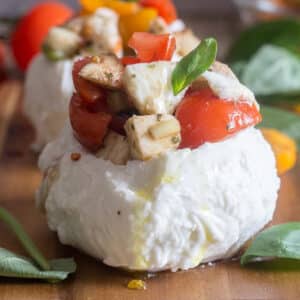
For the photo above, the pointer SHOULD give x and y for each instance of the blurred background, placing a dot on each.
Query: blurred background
(212, 7)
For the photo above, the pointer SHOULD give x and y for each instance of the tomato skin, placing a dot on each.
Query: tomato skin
(166, 8)
(206, 118)
(88, 91)
(152, 47)
(89, 126)
(130, 60)
(27, 39)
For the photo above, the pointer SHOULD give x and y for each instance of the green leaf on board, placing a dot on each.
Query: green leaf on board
(280, 241)
(23, 237)
(282, 120)
(13, 265)
(194, 64)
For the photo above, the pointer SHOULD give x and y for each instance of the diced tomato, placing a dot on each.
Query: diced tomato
(90, 126)
(152, 47)
(206, 118)
(117, 124)
(130, 60)
(166, 8)
(88, 91)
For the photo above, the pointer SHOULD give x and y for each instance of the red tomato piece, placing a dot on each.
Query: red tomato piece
(88, 91)
(32, 29)
(206, 118)
(152, 47)
(165, 8)
(130, 60)
(89, 126)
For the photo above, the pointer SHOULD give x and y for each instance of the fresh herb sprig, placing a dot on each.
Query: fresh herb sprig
(13, 265)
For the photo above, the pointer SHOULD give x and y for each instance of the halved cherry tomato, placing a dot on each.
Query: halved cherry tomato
(32, 29)
(151, 47)
(130, 60)
(88, 91)
(166, 8)
(90, 126)
(206, 118)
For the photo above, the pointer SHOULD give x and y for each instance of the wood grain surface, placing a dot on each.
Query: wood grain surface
(19, 178)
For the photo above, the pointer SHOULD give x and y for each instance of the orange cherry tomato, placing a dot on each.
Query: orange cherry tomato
(166, 8)
(87, 90)
(151, 47)
(89, 125)
(32, 29)
(206, 118)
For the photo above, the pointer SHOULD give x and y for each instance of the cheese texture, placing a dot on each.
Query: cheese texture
(172, 212)
(48, 89)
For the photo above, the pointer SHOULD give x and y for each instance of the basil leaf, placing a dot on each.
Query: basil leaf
(282, 120)
(281, 241)
(12, 265)
(271, 71)
(25, 240)
(283, 33)
(194, 64)
(53, 55)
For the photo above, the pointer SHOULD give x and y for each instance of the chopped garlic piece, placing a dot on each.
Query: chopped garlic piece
(142, 144)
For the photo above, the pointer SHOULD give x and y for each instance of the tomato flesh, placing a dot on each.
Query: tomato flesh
(87, 90)
(165, 8)
(206, 118)
(130, 60)
(89, 123)
(151, 47)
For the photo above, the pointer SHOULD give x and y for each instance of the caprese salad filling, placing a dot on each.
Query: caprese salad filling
(152, 104)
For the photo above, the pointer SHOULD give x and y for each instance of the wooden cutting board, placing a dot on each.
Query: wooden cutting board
(19, 178)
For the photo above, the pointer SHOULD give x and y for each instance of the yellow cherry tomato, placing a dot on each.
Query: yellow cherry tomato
(284, 148)
(120, 7)
(138, 22)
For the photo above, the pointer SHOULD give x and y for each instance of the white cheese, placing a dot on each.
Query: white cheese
(150, 88)
(173, 212)
(48, 89)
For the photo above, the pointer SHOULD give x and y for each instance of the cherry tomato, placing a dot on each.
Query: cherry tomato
(2, 54)
(88, 91)
(166, 8)
(32, 29)
(151, 47)
(206, 118)
(90, 126)
(117, 124)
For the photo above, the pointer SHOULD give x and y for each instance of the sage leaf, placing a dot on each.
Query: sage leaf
(271, 71)
(281, 241)
(282, 120)
(25, 240)
(194, 64)
(13, 265)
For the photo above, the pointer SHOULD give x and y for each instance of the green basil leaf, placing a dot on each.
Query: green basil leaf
(282, 120)
(281, 241)
(53, 55)
(271, 71)
(12, 265)
(283, 33)
(25, 240)
(194, 64)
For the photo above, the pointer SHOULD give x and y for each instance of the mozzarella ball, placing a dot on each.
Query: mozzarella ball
(48, 89)
(173, 212)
